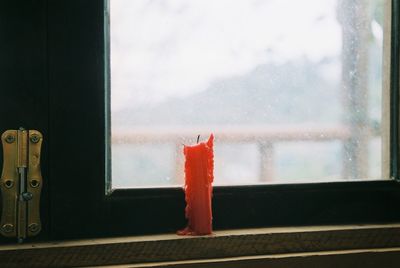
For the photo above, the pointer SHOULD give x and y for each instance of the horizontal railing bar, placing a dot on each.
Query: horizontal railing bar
(234, 134)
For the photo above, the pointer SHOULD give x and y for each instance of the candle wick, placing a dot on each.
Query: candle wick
(198, 138)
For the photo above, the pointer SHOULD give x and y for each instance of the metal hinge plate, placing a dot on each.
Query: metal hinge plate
(21, 183)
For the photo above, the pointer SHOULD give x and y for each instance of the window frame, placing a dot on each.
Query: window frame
(79, 208)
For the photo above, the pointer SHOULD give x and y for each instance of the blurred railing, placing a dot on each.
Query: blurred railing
(264, 137)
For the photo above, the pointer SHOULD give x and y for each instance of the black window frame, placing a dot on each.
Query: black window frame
(145, 211)
(76, 86)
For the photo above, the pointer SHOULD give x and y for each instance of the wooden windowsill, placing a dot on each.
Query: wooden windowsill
(222, 244)
(365, 258)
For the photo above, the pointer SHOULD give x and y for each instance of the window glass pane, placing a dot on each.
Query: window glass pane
(292, 90)
(153, 165)
(238, 163)
(309, 161)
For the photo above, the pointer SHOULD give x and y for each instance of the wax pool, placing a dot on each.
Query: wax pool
(199, 175)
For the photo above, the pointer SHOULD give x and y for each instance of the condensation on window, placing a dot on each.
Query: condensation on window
(292, 90)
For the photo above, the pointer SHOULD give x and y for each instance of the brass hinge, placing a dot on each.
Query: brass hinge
(21, 183)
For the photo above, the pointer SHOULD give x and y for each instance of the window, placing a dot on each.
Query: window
(56, 75)
(292, 90)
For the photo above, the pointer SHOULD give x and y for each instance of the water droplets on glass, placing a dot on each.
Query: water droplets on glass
(291, 89)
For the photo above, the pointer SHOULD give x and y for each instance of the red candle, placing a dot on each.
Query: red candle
(199, 175)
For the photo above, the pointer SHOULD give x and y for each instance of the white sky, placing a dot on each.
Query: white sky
(174, 48)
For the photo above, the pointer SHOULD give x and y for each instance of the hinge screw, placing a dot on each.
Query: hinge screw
(34, 183)
(33, 227)
(8, 184)
(7, 228)
(10, 138)
(35, 138)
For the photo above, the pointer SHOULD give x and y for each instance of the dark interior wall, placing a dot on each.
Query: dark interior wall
(23, 76)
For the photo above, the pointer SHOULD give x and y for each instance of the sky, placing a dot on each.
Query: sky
(174, 48)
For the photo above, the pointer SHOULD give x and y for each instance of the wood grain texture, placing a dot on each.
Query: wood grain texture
(332, 259)
(221, 245)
